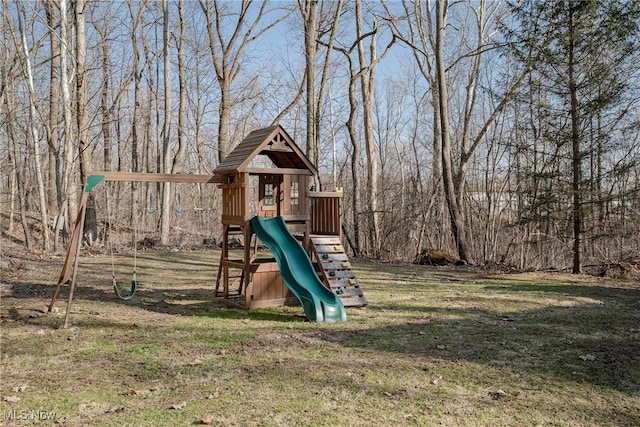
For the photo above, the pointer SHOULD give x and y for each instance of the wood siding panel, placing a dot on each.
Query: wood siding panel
(325, 213)
(268, 285)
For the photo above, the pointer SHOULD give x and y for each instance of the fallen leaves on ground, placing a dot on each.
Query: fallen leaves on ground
(178, 406)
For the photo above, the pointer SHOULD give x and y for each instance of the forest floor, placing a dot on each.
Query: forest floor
(435, 346)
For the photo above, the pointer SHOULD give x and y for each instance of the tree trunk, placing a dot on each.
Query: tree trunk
(576, 158)
(20, 187)
(8, 96)
(455, 214)
(309, 12)
(182, 82)
(53, 134)
(367, 87)
(82, 112)
(355, 164)
(69, 204)
(165, 221)
(104, 108)
(33, 136)
(224, 120)
(137, 75)
(322, 88)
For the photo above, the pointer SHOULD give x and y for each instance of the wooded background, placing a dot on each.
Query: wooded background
(498, 132)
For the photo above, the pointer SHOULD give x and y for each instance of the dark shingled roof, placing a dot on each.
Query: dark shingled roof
(275, 143)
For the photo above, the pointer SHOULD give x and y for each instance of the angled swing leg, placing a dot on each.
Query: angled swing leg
(77, 258)
(72, 253)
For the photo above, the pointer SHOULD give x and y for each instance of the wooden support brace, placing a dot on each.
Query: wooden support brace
(73, 251)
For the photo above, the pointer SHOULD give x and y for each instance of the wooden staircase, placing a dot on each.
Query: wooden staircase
(335, 271)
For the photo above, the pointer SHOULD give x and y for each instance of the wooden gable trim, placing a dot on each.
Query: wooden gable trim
(277, 171)
(278, 140)
(274, 139)
(259, 147)
(279, 143)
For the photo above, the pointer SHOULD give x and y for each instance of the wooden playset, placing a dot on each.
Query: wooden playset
(266, 175)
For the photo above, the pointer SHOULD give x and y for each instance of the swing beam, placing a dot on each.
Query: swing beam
(70, 266)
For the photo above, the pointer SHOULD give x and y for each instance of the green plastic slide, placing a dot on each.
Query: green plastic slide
(320, 304)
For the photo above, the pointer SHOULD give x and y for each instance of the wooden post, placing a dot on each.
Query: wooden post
(225, 267)
(246, 275)
(72, 253)
(77, 257)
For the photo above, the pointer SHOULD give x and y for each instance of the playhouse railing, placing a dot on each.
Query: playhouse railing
(325, 213)
(234, 202)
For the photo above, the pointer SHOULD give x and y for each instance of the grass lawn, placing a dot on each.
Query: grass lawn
(435, 346)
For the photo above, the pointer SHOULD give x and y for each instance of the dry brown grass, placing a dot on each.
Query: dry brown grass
(435, 347)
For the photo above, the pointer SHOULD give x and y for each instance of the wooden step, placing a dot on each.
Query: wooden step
(340, 274)
(347, 292)
(354, 301)
(329, 249)
(343, 265)
(344, 283)
(325, 240)
(333, 257)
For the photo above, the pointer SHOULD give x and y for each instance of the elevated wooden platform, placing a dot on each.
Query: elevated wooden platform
(335, 270)
(244, 279)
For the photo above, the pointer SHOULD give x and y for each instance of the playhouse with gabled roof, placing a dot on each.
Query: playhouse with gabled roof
(283, 173)
(268, 175)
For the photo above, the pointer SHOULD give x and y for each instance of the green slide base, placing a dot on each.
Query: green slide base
(320, 304)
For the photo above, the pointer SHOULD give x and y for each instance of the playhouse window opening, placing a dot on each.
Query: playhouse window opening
(269, 199)
(295, 194)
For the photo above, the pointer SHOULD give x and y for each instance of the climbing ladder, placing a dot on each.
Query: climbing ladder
(236, 280)
(335, 271)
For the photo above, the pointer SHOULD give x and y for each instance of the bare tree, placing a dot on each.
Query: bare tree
(137, 77)
(52, 127)
(309, 10)
(172, 161)
(367, 77)
(81, 98)
(230, 34)
(182, 88)
(475, 116)
(33, 134)
(362, 74)
(8, 72)
(110, 97)
(167, 163)
(455, 211)
(315, 29)
(69, 196)
(82, 110)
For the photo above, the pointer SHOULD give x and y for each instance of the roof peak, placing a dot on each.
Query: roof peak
(273, 142)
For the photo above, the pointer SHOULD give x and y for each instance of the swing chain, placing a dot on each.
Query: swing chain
(134, 281)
